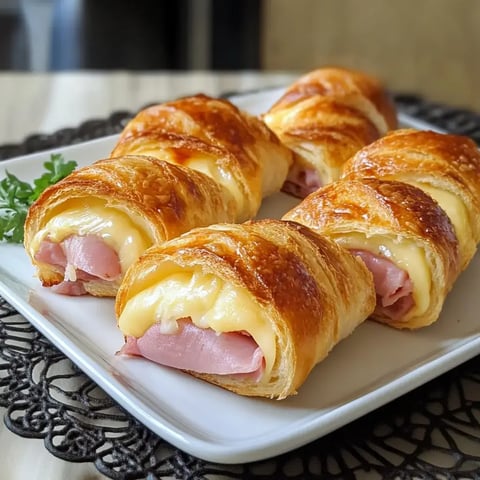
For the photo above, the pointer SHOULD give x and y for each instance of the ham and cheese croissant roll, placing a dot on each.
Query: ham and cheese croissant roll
(447, 167)
(325, 117)
(216, 138)
(250, 307)
(402, 235)
(85, 231)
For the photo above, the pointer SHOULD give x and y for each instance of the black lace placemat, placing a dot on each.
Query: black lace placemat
(431, 433)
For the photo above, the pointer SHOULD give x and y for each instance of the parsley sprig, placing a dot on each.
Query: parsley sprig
(16, 196)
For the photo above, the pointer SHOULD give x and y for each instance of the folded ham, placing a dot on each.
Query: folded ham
(200, 350)
(393, 285)
(405, 239)
(251, 307)
(82, 259)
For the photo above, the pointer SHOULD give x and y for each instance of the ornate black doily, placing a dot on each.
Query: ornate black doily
(47, 396)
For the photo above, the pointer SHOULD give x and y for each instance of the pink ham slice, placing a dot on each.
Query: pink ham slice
(200, 350)
(302, 182)
(67, 287)
(392, 284)
(89, 255)
(51, 253)
(92, 255)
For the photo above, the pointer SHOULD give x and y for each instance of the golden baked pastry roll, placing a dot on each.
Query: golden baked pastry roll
(445, 166)
(216, 138)
(251, 307)
(325, 117)
(402, 235)
(85, 231)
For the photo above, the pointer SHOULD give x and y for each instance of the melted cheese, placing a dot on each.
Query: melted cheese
(406, 255)
(113, 226)
(455, 210)
(207, 300)
(224, 177)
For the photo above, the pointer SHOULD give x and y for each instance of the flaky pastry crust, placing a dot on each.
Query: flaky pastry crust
(162, 199)
(395, 211)
(328, 114)
(215, 137)
(427, 159)
(313, 292)
(350, 87)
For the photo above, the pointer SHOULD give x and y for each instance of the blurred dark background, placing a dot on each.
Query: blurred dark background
(54, 35)
(432, 50)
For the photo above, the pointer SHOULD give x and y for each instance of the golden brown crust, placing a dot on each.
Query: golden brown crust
(213, 136)
(329, 114)
(323, 133)
(343, 83)
(398, 211)
(164, 200)
(313, 292)
(427, 159)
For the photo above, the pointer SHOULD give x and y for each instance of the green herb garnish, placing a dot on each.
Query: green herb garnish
(16, 196)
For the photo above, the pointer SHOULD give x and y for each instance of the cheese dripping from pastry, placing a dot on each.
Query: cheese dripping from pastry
(94, 243)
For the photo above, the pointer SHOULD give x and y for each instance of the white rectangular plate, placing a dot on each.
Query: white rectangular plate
(373, 366)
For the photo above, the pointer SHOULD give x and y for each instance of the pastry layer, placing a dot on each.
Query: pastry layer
(325, 117)
(128, 203)
(396, 221)
(294, 293)
(216, 138)
(445, 166)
